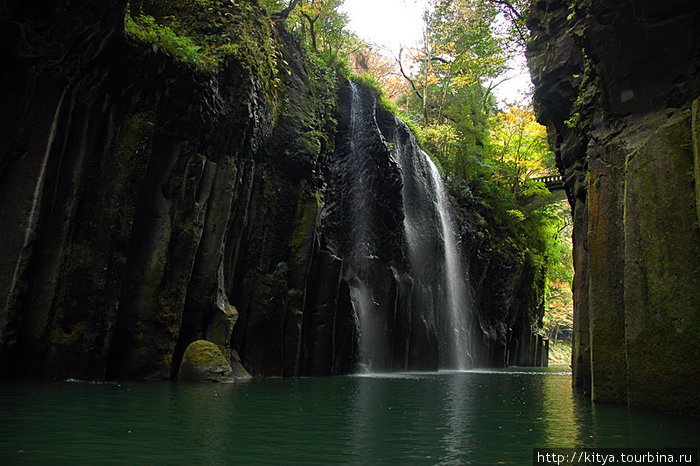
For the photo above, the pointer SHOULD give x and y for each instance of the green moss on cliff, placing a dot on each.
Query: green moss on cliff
(661, 268)
(162, 38)
(370, 81)
(695, 136)
(129, 162)
(302, 241)
(307, 125)
(204, 34)
(64, 338)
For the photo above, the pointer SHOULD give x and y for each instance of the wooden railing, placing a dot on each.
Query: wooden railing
(552, 182)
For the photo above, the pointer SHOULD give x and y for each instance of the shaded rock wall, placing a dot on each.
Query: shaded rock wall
(140, 197)
(617, 86)
(146, 205)
(508, 293)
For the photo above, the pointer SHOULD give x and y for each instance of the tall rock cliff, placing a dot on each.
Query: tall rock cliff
(617, 84)
(153, 196)
(143, 195)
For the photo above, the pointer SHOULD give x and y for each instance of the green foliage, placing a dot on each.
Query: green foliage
(495, 180)
(558, 318)
(320, 26)
(182, 48)
(462, 33)
(442, 140)
(519, 144)
(560, 353)
(272, 6)
(205, 34)
(314, 115)
(370, 81)
(413, 126)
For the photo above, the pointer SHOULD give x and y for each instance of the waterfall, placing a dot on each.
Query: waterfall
(435, 255)
(371, 340)
(459, 305)
(389, 220)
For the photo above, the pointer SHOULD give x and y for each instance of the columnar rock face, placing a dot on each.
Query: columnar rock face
(147, 205)
(142, 198)
(617, 84)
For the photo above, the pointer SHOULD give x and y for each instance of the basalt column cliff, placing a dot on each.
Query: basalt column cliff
(617, 84)
(187, 172)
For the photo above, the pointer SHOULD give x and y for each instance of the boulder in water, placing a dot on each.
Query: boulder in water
(204, 362)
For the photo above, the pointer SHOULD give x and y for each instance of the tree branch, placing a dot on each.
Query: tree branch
(492, 86)
(441, 60)
(410, 81)
(312, 30)
(518, 29)
(284, 13)
(509, 6)
(515, 16)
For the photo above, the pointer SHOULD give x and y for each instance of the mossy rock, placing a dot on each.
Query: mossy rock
(204, 362)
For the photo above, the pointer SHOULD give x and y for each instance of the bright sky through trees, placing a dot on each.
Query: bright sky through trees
(387, 23)
(391, 24)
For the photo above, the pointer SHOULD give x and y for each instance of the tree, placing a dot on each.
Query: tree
(466, 42)
(275, 4)
(317, 21)
(520, 145)
(365, 58)
(515, 12)
(461, 48)
(558, 317)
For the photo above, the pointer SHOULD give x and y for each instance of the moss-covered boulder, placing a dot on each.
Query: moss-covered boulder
(204, 362)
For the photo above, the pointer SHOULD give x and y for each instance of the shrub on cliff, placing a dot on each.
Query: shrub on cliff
(203, 34)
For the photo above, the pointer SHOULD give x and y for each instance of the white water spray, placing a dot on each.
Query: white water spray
(402, 320)
(458, 302)
(370, 341)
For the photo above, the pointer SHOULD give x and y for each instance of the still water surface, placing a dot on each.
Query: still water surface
(474, 417)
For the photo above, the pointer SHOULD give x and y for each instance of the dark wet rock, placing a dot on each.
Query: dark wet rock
(617, 85)
(148, 204)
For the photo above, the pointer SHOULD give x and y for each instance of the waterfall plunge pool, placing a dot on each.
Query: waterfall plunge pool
(478, 417)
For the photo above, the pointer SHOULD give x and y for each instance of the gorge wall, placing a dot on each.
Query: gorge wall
(147, 204)
(617, 84)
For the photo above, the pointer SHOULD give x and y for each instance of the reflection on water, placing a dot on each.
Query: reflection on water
(456, 441)
(478, 417)
(558, 407)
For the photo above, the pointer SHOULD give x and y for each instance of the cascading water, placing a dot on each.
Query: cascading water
(435, 255)
(371, 340)
(459, 306)
(390, 223)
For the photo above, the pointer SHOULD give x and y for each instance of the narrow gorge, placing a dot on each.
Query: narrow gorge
(268, 206)
(156, 192)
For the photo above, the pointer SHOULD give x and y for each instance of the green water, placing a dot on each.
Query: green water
(477, 417)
